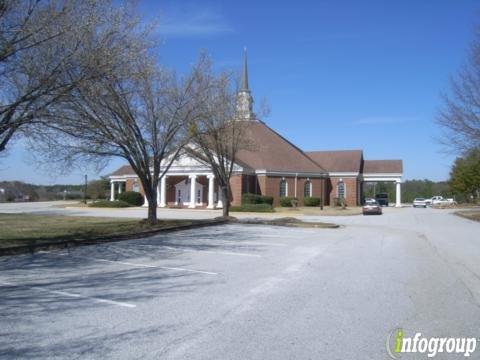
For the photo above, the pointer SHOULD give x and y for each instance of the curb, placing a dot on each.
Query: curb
(24, 249)
(311, 225)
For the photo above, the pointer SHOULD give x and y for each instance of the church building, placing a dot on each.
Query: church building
(274, 167)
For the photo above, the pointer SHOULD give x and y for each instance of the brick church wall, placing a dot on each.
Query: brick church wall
(236, 190)
(351, 189)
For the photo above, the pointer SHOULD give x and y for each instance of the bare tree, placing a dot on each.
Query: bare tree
(219, 132)
(460, 115)
(47, 47)
(137, 112)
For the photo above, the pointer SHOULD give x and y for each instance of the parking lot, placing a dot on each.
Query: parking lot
(246, 291)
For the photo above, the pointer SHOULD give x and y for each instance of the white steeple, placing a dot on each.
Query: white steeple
(244, 96)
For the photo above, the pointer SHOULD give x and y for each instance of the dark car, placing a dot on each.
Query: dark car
(382, 199)
(372, 208)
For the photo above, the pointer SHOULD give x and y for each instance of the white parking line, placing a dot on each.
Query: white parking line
(68, 294)
(261, 243)
(132, 264)
(201, 250)
(214, 252)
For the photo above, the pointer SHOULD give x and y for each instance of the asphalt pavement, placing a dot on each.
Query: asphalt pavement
(248, 291)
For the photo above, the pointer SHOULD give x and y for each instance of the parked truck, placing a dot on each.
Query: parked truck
(439, 200)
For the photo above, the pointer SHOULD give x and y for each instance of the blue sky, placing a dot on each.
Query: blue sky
(336, 74)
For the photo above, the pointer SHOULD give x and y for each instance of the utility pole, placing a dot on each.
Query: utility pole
(85, 190)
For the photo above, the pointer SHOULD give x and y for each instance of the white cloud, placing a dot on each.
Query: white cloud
(193, 22)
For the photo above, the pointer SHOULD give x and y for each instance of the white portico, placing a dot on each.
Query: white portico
(388, 178)
(117, 185)
(187, 183)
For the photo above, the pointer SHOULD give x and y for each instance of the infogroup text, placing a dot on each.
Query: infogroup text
(398, 343)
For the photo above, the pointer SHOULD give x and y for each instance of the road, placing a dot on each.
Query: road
(248, 292)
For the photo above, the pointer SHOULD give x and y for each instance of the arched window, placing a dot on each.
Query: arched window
(341, 188)
(283, 188)
(307, 189)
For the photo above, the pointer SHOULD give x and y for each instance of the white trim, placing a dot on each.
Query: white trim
(291, 174)
(383, 174)
(386, 179)
(336, 174)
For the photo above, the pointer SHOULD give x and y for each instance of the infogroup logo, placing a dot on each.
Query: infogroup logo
(398, 343)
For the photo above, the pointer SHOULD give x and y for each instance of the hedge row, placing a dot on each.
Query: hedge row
(110, 204)
(311, 201)
(256, 199)
(252, 208)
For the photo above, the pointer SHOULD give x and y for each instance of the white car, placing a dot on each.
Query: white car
(419, 202)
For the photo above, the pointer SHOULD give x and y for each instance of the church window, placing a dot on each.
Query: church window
(283, 188)
(307, 189)
(341, 190)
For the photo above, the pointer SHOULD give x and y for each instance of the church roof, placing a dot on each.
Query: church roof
(123, 170)
(338, 161)
(272, 152)
(383, 167)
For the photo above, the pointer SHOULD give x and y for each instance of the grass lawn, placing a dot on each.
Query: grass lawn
(29, 229)
(472, 215)
(315, 210)
(289, 222)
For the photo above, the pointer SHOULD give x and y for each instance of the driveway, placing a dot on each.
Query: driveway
(248, 292)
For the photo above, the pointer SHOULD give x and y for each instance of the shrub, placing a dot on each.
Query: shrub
(256, 199)
(339, 202)
(110, 204)
(311, 201)
(267, 200)
(131, 197)
(252, 208)
(286, 201)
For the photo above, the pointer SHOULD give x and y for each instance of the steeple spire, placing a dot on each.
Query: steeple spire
(244, 97)
(245, 71)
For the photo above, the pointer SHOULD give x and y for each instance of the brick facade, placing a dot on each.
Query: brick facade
(270, 186)
(267, 185)
(351, 189)
(236, 190)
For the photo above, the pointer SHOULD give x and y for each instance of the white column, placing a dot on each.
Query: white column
(112, 191)
(193, 190)
(211, 185)
(145, 203)
(398, 196)
(163, 191)
(119, 188)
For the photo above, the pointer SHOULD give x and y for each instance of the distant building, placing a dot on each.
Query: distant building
(275, 168)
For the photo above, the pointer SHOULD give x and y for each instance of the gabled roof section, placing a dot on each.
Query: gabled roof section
(272, 152)
(338, 161)
(383, 167)
(123, 170)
